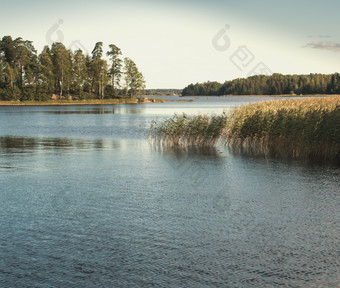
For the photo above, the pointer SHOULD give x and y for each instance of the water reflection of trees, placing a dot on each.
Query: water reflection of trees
(31, 144)
(121, 109)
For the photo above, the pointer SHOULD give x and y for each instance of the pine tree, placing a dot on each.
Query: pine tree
(99, 70)
(46, 76)
(134, 79)
(79, 71)
(62, 67)
(116, 67)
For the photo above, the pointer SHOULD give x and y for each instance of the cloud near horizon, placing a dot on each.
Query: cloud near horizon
(330, 46)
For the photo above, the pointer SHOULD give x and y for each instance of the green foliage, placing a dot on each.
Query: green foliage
(134, 79)
(10, 93)
(204, 89)
(62, 67)
(8, 49)
(115, 71)
(97, 51)
(45, 76)
(98, 70)
(276, 84)
(109, 92)
(27, 76)
(79, 75)
(334, 86)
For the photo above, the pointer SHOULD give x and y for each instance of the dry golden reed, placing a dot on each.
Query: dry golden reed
(183, 130)
(296, 129)
(299, 128)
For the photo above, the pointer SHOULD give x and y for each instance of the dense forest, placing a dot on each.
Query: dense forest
(276, 84)
(58, 72)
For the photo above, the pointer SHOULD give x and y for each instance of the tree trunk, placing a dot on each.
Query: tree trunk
(61, 83)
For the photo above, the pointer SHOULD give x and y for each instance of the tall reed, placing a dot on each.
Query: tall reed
(183, 130)
(301, 128)
(296, 129)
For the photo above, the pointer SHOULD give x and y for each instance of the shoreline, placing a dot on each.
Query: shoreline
(146, 100)
(273, 95)
(80, 102)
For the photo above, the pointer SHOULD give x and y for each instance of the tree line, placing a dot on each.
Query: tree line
(276, 84)
(61, 72)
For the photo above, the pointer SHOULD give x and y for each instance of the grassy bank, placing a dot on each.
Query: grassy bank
(78, 102)
(295, 129)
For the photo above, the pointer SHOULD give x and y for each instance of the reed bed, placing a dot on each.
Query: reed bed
(300, 128)
(183, 130)
(294, 129)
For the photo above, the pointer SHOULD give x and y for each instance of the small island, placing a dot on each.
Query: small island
(60, 76)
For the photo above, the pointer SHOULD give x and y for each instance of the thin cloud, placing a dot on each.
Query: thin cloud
(319, 36)
(331, 46)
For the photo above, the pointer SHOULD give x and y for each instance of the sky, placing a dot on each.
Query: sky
(175, 43)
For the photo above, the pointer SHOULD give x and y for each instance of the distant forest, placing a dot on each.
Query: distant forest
(58, 72)
(163, 92)
(276, 84)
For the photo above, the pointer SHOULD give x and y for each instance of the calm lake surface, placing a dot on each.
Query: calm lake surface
(86, 202)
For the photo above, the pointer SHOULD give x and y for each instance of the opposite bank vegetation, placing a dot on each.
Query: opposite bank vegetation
(276, 84)
(294, 129)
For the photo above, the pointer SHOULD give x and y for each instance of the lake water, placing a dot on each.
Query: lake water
(86, 202)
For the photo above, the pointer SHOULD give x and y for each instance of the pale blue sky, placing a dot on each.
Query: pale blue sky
(172, 41)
